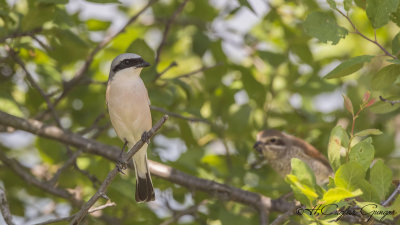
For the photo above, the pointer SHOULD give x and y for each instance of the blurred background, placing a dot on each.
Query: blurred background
(223, 70)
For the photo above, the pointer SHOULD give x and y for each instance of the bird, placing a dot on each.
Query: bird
(278, 148)
(128, 105)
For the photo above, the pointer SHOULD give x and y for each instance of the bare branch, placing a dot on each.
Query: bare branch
(21, 34)
(221, 191)
(67, 164)
(189, 211)
(392, 196)
(30, 179)
(5, 210)
(281, 219)
(173, 64)
(202, 69)
(109, 204)
(177, 115)
(111, 175)
(35, 85)
(56, 220)
(166, 31)
(389, 101)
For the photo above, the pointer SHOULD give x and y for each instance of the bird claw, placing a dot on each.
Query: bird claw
(146, 137)
(121, 164)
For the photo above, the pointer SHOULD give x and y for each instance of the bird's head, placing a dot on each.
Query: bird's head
(125, 61)
(271, 143)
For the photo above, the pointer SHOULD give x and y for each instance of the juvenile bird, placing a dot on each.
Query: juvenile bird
(129, 108)
(279, 148)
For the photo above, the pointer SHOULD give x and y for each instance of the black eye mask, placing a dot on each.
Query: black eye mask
(126, 63)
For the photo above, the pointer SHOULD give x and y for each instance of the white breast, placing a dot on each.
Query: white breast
(128, 105)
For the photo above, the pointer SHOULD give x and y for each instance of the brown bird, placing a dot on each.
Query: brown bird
(279, 148)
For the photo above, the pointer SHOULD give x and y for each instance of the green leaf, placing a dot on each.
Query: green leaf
(369, 192)
(275, 59)
(140, 47)
(337, 140)
(361, 3)
(378, 11)
(371, 209)
(347, 4)
(349, 66)
(50, 151)
(385, 107)
(349, 175)
(362, 153)
(303, 192)
(368, 132)
(332, 4)
(324, 27)
(381, 178)
(395, 17)
(303, 172)
(37, 15)
(385, 77)
(337, 194)
(247, 4)
(396, 44)
(97, 25)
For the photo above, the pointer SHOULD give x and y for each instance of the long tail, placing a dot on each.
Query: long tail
(144, 185)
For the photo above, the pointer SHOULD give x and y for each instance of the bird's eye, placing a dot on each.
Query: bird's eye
(125, 62)
(273, 140)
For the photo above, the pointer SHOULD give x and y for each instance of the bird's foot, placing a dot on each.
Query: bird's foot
(121, 164)
(146, 137)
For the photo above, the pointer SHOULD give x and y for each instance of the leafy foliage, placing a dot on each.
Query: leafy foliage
(227, 71)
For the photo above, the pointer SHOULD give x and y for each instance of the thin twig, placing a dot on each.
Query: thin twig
(282, 218)
(21, 34)
(4, 208)
(173, 64)
(213, 188)
(71, 160)
(202, 69)
(177, 115)
(166, 31)
(98, 208)
(365, 37)
(111, 175)
(178, 214)
(56, 220)
(389, 101)
(68, 218)
(30, 179)
(36, 86)
(392, 196)
(69, 85)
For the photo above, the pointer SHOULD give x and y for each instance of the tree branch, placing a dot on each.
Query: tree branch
(5, 210)
(365, 37)
(177, 115)
(202, 69)
(221, 191)
(30, 179)
(166, 31)
(392, 196)
(21, 34)
(389, 101)
(68, 86)
(113, 173)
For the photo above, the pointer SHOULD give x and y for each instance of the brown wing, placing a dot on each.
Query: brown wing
(309, 149)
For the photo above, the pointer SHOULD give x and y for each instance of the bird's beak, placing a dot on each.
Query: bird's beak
(143, 64)
(257, 146)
